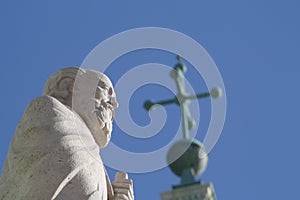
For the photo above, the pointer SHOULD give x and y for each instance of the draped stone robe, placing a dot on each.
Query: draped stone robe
(53, 156)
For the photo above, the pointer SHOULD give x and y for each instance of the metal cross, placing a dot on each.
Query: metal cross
(182, 98)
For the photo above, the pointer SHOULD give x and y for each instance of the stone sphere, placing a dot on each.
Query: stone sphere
(187, 154)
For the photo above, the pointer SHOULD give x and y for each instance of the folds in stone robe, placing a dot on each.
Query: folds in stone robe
(53, 156)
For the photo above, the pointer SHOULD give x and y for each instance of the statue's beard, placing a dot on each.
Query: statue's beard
(98, 120)
(104, 115)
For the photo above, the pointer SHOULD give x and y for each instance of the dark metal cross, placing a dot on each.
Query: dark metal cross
(182, 98)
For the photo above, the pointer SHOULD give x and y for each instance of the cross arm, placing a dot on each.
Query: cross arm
(214, 93)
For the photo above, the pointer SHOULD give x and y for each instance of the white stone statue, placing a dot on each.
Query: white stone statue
(54, 153)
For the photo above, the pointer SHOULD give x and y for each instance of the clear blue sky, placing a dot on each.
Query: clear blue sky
(255, 45)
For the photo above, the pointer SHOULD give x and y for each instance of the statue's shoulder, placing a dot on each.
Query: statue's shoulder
(43, 101)
(45, 104)
(45, 107)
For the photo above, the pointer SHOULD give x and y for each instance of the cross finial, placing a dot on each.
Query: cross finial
(178, 155)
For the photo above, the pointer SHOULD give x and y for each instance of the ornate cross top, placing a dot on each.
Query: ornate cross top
(182, 98)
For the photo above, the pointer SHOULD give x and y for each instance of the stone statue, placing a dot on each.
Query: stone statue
(54, 153)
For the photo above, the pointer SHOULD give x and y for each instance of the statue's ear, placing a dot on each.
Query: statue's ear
(65, 86)
(63, 90)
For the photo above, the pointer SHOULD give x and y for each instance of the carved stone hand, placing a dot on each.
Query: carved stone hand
(123, 187)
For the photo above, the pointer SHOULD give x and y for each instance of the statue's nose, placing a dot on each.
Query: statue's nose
(113, 102)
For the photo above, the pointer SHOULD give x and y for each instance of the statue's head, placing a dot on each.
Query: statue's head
(90, 94)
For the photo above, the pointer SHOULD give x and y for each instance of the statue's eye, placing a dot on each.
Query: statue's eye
(110, 91)
(102, 85)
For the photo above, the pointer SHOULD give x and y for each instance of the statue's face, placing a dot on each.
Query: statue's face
(105, 103)
(95, 106)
